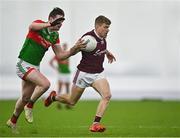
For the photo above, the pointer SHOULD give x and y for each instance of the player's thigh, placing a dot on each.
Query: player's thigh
(76, 93)
(37, 78)
(102, 87)
(27, 88)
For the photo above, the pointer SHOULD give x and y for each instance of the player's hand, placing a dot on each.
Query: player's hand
(57, 21)
(78, 46)
(110, 57)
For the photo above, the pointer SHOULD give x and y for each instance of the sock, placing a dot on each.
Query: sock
(14, 118)
(30, 104)
(97, 119)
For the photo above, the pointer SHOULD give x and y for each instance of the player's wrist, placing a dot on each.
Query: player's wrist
(107, 51)
(73, 50)
(48, 24)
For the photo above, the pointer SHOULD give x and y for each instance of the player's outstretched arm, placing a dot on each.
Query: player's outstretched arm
(38, 26)
(110, 57)
(62, 54)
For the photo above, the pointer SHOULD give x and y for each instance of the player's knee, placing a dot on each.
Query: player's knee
(25, 99)
(108, 97)
(45, 86)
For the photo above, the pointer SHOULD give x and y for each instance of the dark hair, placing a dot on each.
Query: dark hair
(56, 11)
(102, 19)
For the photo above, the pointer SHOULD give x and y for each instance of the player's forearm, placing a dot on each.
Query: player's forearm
(74, 50)
(39, 26)
(66, 54)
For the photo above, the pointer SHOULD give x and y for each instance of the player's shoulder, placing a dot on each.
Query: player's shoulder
(89, 33)
(92, 34)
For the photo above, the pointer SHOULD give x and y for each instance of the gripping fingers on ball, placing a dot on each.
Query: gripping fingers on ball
(86, 42)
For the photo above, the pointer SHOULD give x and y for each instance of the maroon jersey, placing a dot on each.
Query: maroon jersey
(92, 62)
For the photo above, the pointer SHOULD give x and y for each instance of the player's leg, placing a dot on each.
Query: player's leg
(60, 85)
(77, 88)
(41, 82)
(70, 99)
(41, 85)
(27, 89)
(67, 85)
(102, 87)
(76, 91)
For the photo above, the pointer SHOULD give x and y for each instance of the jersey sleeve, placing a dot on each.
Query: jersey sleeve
(57, 41)
(38, 21)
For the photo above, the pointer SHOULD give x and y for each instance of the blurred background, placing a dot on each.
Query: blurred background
(144, 36)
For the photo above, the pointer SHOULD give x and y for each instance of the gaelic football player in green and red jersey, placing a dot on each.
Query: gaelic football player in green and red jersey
(40, 37)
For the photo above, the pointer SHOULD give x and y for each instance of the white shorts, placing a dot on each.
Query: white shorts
(24, 68)
(64, 77)
(83, 79)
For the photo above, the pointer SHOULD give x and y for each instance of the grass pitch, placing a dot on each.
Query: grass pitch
(122, 119)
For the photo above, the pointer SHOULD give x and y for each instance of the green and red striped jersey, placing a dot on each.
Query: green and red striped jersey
(37, 43)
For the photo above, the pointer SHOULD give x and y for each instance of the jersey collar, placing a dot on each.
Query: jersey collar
(97, 35)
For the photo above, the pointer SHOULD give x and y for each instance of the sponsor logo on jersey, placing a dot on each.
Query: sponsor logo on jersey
(99, 52)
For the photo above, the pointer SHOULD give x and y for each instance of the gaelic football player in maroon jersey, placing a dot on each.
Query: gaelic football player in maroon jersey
(90, 73)
(40, 37)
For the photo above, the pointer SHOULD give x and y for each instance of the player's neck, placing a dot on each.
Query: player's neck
(97, 35)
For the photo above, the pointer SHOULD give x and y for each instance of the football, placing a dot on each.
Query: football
(91, 43)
